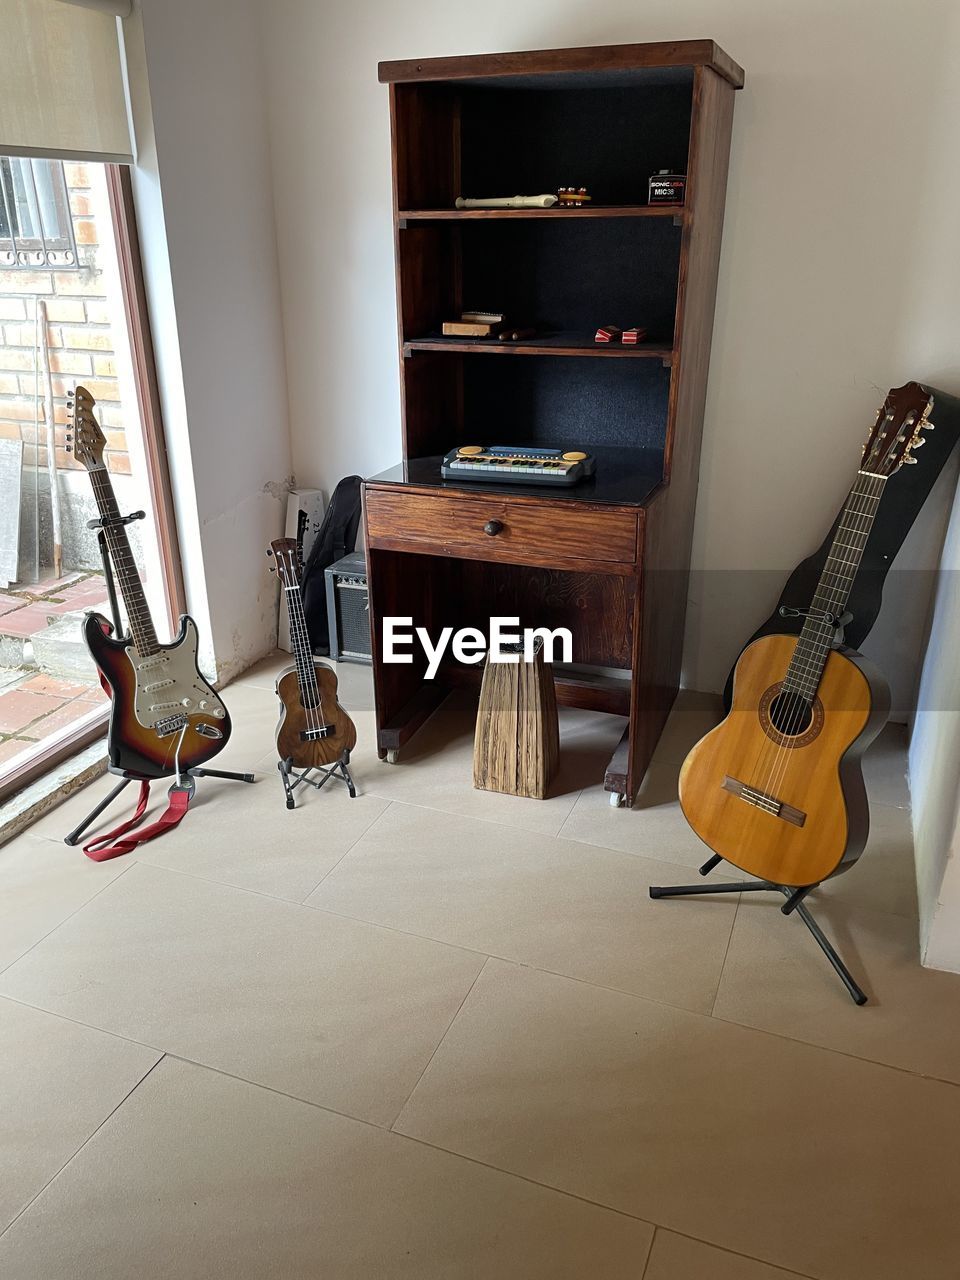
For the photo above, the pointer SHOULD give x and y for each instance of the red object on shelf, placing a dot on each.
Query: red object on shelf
(607, 333)
(630, 337)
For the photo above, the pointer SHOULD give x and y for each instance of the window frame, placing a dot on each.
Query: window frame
(133, 290)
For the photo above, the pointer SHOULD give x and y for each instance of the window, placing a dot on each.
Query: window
(36, 229)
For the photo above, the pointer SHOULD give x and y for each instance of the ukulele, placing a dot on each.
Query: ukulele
(314, 730)
(164, 716)
(776, 788)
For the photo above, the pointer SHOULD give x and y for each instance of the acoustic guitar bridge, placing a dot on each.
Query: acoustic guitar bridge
(311, 735)
(767, 803)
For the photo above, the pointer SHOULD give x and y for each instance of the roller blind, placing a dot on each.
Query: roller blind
(61, 82)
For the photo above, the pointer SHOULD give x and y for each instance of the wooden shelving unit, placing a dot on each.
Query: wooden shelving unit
(609, 558)
(559, 344)
(586, 211)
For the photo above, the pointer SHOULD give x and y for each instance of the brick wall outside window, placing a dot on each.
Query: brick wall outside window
(79, 337)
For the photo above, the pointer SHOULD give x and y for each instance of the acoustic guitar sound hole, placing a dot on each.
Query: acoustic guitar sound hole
(788, 719)
(790, 714)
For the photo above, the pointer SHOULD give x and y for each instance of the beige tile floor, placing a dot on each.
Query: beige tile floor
(434, 1032)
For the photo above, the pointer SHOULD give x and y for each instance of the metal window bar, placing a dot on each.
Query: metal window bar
(39, 227)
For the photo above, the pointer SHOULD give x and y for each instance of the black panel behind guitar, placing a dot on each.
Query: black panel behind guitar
(899, 508)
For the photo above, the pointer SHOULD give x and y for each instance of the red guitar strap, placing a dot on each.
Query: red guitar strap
(101, 849)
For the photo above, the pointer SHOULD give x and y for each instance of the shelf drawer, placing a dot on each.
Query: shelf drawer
(529, 532)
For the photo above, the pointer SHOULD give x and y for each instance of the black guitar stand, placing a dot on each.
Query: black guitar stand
(182, 777)
(794, 904)
(340, 770)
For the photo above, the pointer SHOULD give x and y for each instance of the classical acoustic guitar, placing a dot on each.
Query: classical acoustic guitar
(314, 730)
(164, 716)
(777, 789)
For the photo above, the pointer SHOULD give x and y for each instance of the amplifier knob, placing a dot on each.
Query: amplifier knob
(492, 527)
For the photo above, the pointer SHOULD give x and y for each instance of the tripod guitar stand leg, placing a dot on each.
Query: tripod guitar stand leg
(340, 770)
(794, 905)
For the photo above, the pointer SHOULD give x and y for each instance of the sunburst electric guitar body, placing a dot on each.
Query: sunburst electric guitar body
(777, 789)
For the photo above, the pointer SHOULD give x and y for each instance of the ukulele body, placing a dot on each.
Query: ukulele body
(789, 808)
(296, 720)
(137, 743)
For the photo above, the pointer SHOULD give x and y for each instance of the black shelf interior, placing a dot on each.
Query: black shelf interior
(610, 140)
(575, 275)
(538, 400)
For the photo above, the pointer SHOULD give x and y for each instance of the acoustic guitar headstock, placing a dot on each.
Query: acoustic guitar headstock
(286, 556)
(86, 439)
(896, 433)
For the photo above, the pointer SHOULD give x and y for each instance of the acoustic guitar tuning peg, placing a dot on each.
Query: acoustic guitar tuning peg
(917, 442)
(68, 448)
(910, 462)
(271, 569)
(269, 552)
(927, 426)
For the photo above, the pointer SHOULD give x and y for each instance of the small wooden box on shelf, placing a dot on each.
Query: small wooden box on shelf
(609, 557)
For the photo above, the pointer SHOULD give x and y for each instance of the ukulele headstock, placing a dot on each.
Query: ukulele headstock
(86, 439)
(896, 433)
(286, 557)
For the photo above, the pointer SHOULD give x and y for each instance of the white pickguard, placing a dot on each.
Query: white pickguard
(169, 686)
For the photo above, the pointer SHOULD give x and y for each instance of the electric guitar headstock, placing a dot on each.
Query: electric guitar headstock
(86, 440)
(896, 433)
(286, 557)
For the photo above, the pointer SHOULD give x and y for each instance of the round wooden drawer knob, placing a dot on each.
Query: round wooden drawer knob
(492, 527)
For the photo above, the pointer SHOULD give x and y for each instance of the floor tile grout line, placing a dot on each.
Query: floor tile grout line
(59, 925)
(407, 1137)
(388, 805)
(426, 1065)
(564, 977)
(726, 952)
(735, 1253)
(646, 1262)
(87, 1026)
(89, 1138)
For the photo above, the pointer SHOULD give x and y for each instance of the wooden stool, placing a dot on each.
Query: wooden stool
(517, 745)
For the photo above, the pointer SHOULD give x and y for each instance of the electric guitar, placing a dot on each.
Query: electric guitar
(314, 730)
(164, 716)
(776, 788)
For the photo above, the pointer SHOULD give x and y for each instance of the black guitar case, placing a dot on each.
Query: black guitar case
(899, 507)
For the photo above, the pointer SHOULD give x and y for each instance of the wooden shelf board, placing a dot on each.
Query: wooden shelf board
(558, 211)
(560, 344)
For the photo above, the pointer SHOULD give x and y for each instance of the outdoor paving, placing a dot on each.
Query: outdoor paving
(36, 704)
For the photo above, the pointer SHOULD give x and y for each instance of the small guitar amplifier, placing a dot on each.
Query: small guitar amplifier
(348, 610)
(516, 464)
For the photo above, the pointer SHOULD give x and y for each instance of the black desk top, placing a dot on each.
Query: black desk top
(623, 478)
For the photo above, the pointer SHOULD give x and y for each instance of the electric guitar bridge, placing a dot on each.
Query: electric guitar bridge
(169, 724)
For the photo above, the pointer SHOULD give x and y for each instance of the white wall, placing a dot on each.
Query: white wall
(205, 205)
(935, 770)
(836, 277)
